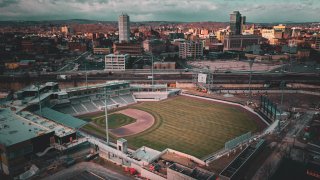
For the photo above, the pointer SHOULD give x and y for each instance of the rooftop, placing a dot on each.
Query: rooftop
(122, 140)
(164, 86)
(110, 83)
(64, 119)
(42, 97)
(196, 173)
(59, 130)
(146, 154)
(15, 129)
(117, 55)
(35, 88)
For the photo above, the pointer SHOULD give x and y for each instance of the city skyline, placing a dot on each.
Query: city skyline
(170, 10)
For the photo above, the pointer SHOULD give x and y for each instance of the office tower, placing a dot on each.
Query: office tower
(124, 28)
(236, 23)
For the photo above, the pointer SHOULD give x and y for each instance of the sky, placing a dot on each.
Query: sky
(259, 11)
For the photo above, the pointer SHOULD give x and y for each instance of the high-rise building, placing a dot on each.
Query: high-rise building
(124, 28)
(240, 42)
(116, 62)
(237, 23)
(190, 49)
(133, 49)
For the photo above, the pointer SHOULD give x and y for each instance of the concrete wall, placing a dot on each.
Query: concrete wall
(184, 85)
(137, 167)
(156, 96)
(150, 175)
(301, 85)
(174, 175)
(271, 91)
(199, 161)
(5, 169)
(239, 85)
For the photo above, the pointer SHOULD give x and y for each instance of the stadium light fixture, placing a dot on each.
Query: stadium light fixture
(38, 87)
(106, 115)
(250, 78)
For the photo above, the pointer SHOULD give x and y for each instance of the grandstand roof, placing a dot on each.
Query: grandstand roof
(232, 169)
(64, 119)
(15, 129)
(110, 83)
(142, 86)
(42, 97)
(59, 130)
(35, 88)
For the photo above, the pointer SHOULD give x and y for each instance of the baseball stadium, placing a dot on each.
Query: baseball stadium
(157, 117)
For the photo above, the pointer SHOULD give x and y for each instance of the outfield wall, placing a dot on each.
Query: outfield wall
(184, 85)
(270, 91)
(150, 96)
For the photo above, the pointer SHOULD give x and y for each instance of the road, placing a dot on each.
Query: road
(99, 170)
(172, 75)
(283, 147)
(72, 62)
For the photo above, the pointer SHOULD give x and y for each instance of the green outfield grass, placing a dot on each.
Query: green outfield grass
(192, 126)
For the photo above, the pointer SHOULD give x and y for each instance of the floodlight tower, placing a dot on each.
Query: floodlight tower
(106, 115)
(152, 72)
(282, 85)
(40, 108)
(152, 80)
(250, 78)
(85, 66)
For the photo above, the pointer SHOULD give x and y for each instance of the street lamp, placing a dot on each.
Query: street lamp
(294, 140)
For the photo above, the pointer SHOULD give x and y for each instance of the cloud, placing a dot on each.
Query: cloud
(6, 3)
(171, 10)
(307, 2)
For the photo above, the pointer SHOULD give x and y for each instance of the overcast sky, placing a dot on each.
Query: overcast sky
(168, 10)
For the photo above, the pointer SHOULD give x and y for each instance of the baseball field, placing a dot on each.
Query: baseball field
(191, 125)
